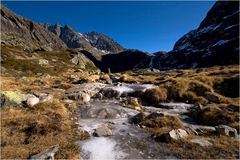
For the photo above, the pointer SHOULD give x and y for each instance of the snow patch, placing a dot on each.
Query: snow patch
(230, 27)
(221, 42)
(230, 15)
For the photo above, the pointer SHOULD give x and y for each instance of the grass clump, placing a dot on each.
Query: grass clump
(155, 95)
(213, 115)
(157, 120)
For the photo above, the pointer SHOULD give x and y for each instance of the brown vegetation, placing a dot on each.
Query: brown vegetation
(27, 131)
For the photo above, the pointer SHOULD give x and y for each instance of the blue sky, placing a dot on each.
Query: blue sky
(148, 26)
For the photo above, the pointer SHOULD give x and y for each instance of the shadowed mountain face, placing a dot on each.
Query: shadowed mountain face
(214, 42)
(25, 32)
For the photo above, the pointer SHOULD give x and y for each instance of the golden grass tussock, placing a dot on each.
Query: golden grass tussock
(185, 149)
(155, 95)
(156, 120)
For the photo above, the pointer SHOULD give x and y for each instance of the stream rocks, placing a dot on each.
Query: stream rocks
(103, 130)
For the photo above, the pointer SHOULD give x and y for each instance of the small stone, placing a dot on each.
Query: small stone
(42, 61)
(103, 130)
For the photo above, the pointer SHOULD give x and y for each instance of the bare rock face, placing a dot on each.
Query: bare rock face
(27, 33)
(104, 43)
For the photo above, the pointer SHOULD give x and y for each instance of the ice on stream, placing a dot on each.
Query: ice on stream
(101, 148)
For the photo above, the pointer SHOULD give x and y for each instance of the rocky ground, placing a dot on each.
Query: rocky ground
(75, 111)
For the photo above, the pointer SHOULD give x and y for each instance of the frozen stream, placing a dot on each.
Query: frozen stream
(127, 142)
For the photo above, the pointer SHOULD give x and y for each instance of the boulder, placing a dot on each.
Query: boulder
(103, 130)
(174, 134)
(12, 98)
(32, 100)
(44, 97)
(226, 131)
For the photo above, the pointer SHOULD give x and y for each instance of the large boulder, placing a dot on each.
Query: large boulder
(103, 130)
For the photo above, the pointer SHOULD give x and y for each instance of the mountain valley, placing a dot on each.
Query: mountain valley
(71, 95)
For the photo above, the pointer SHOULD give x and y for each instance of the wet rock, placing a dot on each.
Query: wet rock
(226, 131)
(138, 118)
(174, 134)
(43, 62)
(111, 93)
(47, 154)
(32, 100)
(201, 142)
(103, 130)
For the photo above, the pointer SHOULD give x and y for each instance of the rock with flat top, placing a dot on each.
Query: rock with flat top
(226, 131)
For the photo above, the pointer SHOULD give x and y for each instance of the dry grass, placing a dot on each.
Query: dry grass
(155, 95)
(156, 120)
(222, 147)
(213, 116)
(27, 131)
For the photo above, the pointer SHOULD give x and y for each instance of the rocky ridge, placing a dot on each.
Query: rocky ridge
(19, 31)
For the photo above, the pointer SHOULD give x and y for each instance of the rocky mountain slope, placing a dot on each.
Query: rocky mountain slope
(71, 37)
(214, 42)
(75, 39)
(102, 42)
(19, 31)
